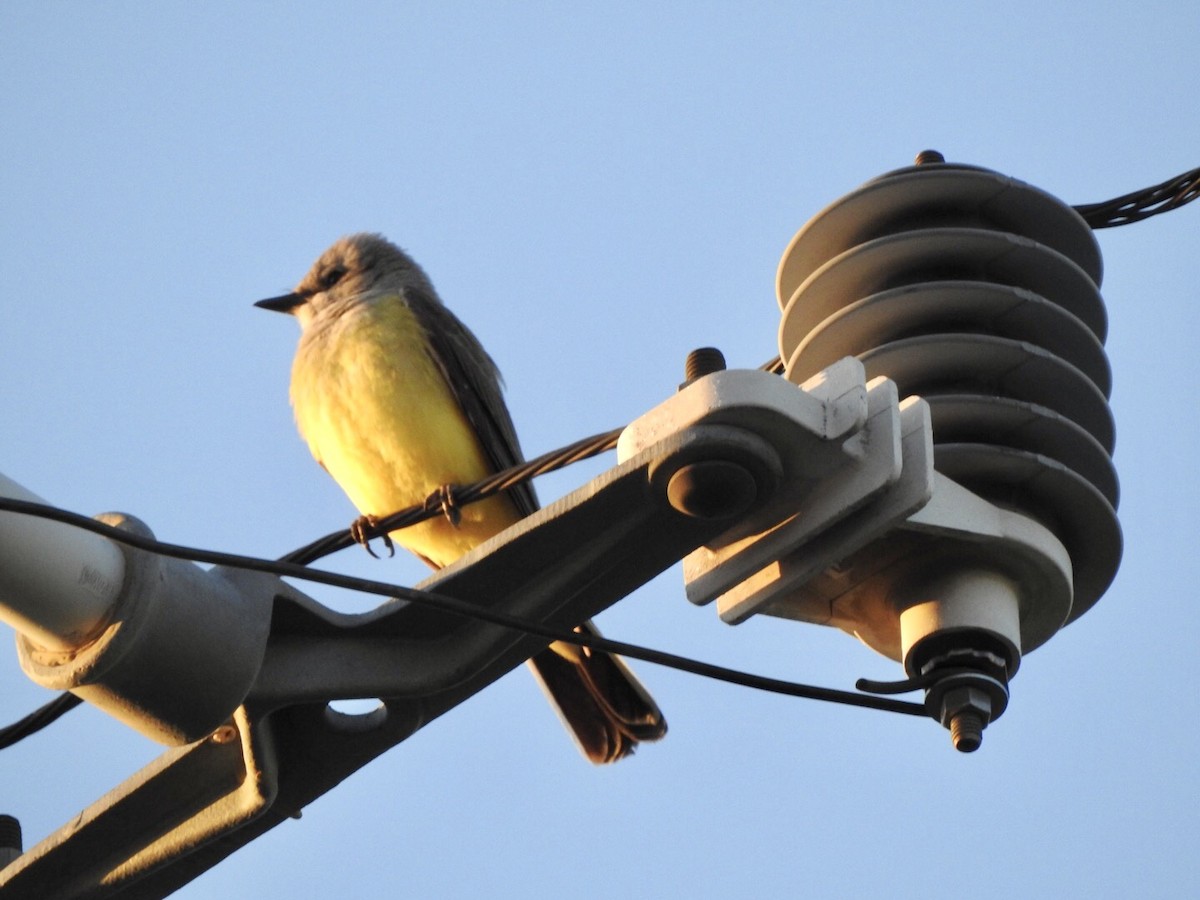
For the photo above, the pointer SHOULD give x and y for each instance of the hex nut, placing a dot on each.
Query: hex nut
(965, 699)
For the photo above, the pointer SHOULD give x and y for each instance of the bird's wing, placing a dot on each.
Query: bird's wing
(475, 383)
(600, 700)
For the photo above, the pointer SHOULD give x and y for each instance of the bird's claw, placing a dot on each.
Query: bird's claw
(360, 530)
(443, 499)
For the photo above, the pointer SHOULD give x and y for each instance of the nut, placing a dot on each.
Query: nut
(966, 699)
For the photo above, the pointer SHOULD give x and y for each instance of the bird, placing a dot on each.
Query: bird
(397, 400)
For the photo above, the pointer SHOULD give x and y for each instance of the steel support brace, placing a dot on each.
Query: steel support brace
(726, 456)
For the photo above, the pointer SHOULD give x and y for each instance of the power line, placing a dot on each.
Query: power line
(1138, 205)
(51, 711)
(343, 538)
(1124, 210)
(38, 719)
(459, 495)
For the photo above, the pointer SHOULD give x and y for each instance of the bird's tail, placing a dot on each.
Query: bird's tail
(599, 699)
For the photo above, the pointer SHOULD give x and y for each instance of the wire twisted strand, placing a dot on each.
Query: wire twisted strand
(460, 496)
(1124, 210)
(1139, 205)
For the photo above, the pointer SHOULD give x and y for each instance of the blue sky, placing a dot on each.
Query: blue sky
(595, 190)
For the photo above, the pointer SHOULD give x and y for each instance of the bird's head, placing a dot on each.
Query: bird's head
(356, 269)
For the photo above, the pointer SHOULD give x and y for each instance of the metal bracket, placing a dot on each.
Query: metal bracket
(713, 456)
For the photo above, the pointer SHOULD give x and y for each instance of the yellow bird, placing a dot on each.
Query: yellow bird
(396, 399)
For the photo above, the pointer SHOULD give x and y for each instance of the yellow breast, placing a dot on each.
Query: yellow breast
(379, 416)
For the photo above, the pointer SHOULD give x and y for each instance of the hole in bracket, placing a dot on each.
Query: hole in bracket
(355, 716)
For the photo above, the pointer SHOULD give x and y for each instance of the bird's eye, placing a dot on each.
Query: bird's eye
(332, 277)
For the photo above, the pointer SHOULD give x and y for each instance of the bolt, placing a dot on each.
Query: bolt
(925, 157)
(711, 489)
(10, 839)
(966, 709)
(226, 734)
(966, 731)
(703, 361)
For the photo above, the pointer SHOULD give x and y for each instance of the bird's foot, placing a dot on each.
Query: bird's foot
(443, 499)
(360, 530)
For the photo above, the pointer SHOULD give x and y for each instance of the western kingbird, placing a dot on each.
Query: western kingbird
(397, 399)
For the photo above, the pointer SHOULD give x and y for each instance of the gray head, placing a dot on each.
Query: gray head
(352, 271)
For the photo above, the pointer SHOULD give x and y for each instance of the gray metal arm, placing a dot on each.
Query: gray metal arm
(283, 746)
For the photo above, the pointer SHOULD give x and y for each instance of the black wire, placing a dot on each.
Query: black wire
(42, 717)
(37, 720)
(1139, 205)
(341, 539)
(459, 495)
(1123, 210)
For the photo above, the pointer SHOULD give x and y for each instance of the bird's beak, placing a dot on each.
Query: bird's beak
(286, 303)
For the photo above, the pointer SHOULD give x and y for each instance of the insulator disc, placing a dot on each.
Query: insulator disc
(979, 293)
(934, 364)
(952, 306)
(939, 254)
(978, 419)
(1066, 503)
(930, 196)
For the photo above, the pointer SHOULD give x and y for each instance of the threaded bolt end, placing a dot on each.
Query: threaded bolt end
(966, 731)
(10, 832)
(703, 361)
(10, 839)
(925, 157)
